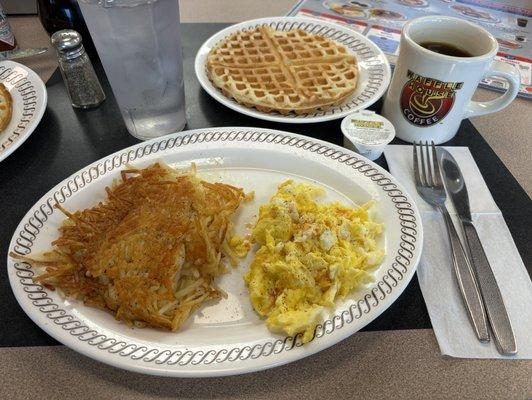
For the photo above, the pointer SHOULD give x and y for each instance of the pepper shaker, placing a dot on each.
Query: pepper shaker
(82, 84)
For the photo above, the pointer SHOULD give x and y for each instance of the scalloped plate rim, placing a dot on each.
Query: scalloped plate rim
(233, 368)
(36, 119)
(215, 93)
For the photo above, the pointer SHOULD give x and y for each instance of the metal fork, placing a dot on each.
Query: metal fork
(430, 187)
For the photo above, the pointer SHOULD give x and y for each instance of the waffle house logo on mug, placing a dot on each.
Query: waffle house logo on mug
(426, 101)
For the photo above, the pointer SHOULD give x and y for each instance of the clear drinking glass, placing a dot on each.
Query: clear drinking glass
(139, 44)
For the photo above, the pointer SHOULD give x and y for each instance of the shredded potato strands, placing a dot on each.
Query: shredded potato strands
(150, 252)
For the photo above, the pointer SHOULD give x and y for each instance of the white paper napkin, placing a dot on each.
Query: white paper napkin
(435, 273)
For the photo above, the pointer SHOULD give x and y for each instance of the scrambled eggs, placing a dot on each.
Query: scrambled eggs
(310, 255)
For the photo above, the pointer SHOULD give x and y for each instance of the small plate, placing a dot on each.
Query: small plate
(373, 67)
(29, 102)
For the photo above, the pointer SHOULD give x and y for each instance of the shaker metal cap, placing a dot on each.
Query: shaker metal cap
(68, 43)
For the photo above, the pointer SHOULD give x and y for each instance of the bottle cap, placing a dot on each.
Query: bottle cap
(68, 43)
(367, 133)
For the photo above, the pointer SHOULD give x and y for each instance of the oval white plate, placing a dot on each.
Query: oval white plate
(29, 102)
(227, 337)
(374, 69)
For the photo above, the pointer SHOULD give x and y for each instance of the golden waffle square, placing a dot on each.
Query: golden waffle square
(284, 71)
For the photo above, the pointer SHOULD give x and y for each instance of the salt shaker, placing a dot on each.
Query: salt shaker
(82, 84)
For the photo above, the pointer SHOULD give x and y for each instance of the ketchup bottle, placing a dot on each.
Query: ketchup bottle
(7, 39)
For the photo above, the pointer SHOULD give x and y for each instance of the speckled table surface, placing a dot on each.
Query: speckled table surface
(368, 365)
(399, 363)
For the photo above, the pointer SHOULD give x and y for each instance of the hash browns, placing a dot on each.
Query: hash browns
(150, 252)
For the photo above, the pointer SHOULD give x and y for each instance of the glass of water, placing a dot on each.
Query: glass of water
(139, 44)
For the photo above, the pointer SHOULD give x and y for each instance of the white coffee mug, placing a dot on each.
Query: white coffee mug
(430, 93)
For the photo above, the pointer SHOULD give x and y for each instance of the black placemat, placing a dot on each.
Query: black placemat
(67, 140)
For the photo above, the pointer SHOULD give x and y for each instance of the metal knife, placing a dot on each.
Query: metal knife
(21, 53)
(491, 295)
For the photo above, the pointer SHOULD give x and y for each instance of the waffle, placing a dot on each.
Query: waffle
(292, 71)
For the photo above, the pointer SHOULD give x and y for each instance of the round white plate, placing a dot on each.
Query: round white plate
(227, 337)
(29, 102)
(373, 67)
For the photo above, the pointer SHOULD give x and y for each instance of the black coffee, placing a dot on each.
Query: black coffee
(445, 48)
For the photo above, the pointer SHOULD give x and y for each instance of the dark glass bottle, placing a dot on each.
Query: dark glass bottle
(56, 15)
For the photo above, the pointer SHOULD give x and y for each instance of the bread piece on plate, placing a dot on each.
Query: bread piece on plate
(6, 107)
